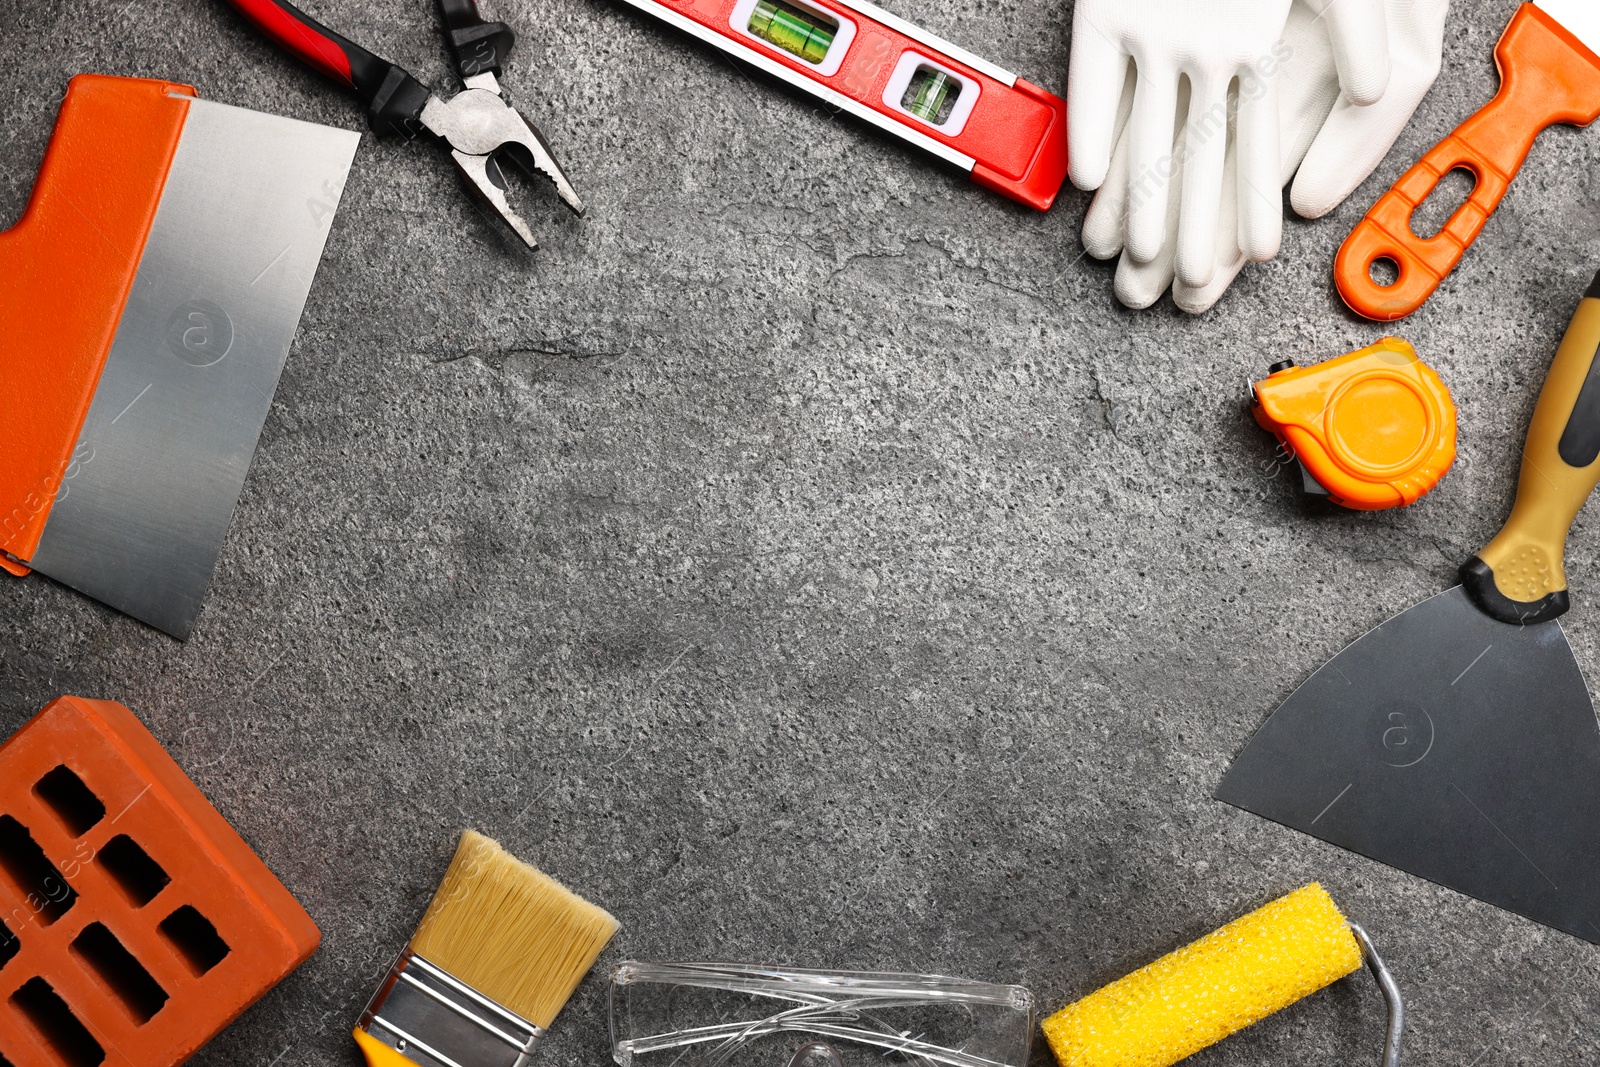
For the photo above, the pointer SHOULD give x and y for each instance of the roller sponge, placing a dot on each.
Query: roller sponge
(1203, 992)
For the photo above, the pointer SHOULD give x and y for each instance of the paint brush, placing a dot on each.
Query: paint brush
(495, 958)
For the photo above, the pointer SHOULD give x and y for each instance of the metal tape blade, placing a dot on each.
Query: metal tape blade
(159, 464)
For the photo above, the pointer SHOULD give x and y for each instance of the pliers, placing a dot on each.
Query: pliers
(477, 125)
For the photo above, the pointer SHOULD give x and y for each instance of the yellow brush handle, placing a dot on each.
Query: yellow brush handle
(1520, 577)
(378, 1054)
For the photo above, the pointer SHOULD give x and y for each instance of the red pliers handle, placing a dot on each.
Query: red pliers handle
(393, 97)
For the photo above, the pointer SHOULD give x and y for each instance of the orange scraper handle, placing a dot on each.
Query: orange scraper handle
(1547, 76)
(66, 270)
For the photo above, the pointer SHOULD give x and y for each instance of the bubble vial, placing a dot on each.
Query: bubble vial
(797, 31)
(931, 95)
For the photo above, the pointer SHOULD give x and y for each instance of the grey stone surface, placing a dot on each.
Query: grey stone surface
(804, 556)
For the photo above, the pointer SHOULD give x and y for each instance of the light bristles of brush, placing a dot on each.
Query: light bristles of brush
(510, 931)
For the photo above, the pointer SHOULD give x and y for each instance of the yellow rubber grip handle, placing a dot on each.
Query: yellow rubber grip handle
(378, 1054)
(1520, 576)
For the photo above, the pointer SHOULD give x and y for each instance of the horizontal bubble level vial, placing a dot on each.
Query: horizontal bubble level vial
(798, 32)
(931, 95)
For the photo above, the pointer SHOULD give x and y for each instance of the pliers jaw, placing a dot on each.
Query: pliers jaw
(482, 130)
(477, 125)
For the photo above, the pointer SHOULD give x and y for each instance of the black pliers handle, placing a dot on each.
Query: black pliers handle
(477, 125)
(479, 47)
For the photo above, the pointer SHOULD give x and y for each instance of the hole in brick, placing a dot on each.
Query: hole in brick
(3, 1061)
(44, 891)
(124, 975)
(61, 1030)
(132, 868)
(10, 945)
(196, 940)
(69, 798)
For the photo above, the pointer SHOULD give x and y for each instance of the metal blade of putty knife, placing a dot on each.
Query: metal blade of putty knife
(1449, 745)
(1458, 741)
(163, 451)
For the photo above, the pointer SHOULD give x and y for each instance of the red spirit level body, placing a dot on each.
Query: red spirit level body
(1011, 136)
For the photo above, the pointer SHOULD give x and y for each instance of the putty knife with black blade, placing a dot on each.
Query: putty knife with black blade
(1457, 741)
(148, 298)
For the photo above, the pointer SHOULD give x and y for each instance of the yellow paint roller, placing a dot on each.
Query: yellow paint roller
(1225, 981)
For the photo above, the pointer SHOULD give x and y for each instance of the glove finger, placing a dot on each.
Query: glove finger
(1354, 140)
(1349, 148)
(1139, 284)
(1358, 31)
(1204, 160)
(1201, 299)
(1151, 164)
(1308, 85)
(1095, 77)
(1107, 220)
(1229, 259)
(1259, 188)
(1104, 225)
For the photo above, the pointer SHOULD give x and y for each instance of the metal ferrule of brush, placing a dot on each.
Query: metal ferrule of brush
(436, 1020)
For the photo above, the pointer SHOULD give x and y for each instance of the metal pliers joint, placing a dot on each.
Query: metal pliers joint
(477, 125)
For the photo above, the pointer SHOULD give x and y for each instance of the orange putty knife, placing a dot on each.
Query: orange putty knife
(148, 297)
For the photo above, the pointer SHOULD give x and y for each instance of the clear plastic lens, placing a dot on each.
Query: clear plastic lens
(716, 1014)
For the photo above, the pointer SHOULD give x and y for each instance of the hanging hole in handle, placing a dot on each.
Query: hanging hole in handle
(1447, 198)
(1384, 272)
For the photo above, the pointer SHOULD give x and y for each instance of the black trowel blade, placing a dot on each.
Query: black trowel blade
(1451, 746)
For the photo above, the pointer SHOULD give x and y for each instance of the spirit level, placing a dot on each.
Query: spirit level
(1010, 135)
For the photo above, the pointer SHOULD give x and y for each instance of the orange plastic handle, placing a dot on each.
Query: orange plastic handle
(378, 1054)
(68, 266)
(1547, 76)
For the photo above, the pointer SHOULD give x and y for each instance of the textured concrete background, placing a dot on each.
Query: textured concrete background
(804, 556)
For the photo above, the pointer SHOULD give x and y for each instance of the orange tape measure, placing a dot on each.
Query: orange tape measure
(1373, 429)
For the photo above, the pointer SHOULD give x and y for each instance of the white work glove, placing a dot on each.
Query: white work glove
(1330, 146)
(1153, 48)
